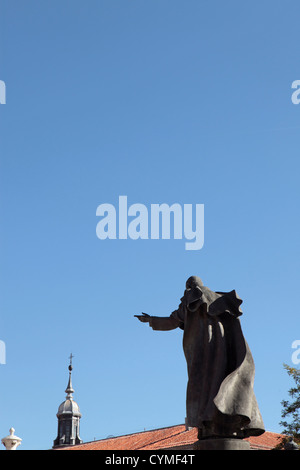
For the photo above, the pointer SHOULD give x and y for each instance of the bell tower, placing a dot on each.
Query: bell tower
(68, 416)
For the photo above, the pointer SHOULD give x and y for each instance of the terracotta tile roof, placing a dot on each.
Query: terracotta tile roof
(266, 441)
(173, 437)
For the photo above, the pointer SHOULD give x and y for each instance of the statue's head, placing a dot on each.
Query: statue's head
(193, 292)
(193, 281)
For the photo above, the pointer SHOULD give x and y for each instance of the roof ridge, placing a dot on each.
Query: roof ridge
(162, 439)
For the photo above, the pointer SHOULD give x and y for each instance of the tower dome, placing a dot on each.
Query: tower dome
(68, 416)
(68, 407)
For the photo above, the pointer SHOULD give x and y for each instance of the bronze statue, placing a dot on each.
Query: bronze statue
(220, 399)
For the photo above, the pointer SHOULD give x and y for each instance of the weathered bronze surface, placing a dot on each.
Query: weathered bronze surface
(220, 399)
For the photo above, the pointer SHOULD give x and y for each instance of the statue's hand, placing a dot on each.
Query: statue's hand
(145, 318)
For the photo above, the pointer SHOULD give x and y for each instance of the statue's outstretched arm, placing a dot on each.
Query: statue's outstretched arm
(159, 323)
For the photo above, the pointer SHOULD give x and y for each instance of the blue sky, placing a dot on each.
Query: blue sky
(162, 101)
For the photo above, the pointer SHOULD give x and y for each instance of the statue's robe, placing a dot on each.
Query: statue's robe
(220, 398)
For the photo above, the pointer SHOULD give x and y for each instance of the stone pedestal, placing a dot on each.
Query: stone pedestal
(221, 444)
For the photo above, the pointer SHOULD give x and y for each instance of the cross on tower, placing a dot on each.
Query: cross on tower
(71, 357)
